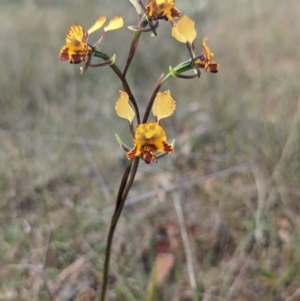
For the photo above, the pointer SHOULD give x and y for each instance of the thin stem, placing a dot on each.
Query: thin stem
(111, 232)
(132, 50)
(142, 5)
(132, 99)
(182, 67)
(151, 100)
(126, 87)
(126, 183)
(122, 186)
(190, 47)
(120, 206)
(134, 44)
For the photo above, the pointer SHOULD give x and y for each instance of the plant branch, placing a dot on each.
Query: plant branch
(151, 100)
(126, 87)
(132, 50)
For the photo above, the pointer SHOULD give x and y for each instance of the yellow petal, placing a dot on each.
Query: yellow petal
(164, 105)
(98, 24)
(177, 35)
(76, 35)
(115, 23)
(150, 134)
(123, 108)
(206, 50)
(184, 31)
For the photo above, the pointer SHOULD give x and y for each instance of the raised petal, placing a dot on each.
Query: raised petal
(98, 24)
(164, 105)
(76, 35)
(206, 50)
(205, 59)
(115, 23)
(123, 108)
(184, 31)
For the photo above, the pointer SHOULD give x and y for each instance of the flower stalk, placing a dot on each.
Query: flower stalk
(150, 141)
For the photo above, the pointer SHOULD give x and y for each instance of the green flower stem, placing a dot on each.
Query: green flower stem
(183, 67)
(118, 72)
(125, 185)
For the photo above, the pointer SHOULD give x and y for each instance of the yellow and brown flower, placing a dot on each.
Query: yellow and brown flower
(205, 59)
(184, 32)
(162, 9)
(150, 137)
(77, 48)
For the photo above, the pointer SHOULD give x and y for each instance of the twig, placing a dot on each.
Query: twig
(295, 296)
(185, 240)
(70, 269)
(261, 201)
(238, 279)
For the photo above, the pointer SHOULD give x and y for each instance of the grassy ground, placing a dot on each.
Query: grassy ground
(223, 210)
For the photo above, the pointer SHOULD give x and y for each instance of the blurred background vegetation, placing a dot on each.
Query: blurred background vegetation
(224, 209)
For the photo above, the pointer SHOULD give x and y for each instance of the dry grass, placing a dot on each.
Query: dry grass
(226, 204)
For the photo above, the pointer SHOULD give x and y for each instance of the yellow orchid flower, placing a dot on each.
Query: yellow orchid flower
(77, 48)
(184, 32)
(150, 137)
(205, 59)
